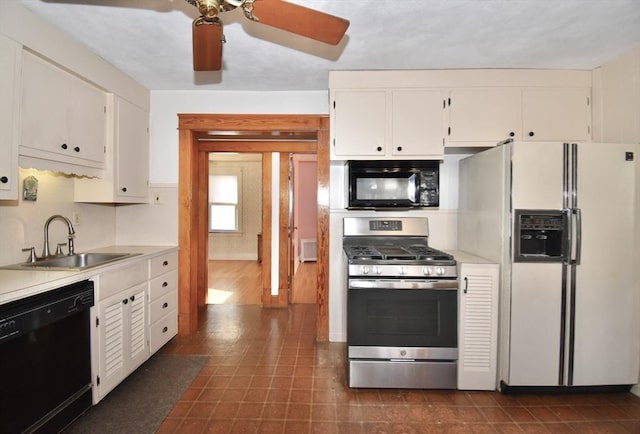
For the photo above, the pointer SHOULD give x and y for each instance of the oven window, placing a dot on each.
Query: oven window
(402, 318)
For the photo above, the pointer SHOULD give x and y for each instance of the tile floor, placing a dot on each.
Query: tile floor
(266, 374)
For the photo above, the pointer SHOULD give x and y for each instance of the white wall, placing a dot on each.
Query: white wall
(157, 224)
(22, 222)
(166, 105)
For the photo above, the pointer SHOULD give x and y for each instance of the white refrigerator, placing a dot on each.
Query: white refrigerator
(560, 219)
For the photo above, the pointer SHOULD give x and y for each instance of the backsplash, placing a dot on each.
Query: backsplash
(22, 222)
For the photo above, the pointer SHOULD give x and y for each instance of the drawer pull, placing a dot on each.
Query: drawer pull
(165, 329)
(165, 305)
(165, 263)
(165, 284)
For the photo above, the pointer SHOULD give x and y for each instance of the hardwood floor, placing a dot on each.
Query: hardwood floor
(240, 283)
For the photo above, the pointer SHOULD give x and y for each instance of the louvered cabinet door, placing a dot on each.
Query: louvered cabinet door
(123, 334)
(138, 330)
(112, 365)
(477, 328)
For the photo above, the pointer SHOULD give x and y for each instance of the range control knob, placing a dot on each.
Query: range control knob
(427, 271)
(403, 270)
(365, 269)
(440, 271)
(377, 270)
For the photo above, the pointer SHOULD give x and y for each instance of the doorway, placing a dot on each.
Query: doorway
(274, 134)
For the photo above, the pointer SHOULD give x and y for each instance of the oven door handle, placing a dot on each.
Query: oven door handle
(404, 284)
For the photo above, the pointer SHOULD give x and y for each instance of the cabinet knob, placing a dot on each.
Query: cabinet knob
(4, 179)
(64, 146)
(165, 263)
(399, 148)
(77, 149)
(125, 301)
(165, 305)
(132, 298)
(165, 284)
(165, 329)
(379, 148)
(124, 189)
(531, 134)
(511, 134)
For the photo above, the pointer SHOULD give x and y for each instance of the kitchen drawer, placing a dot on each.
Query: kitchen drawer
(112, 282)
(162, 306)
(163, 330)
(164, 263)
(163, 284)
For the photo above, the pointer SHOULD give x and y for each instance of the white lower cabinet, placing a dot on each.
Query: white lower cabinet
(163, 300)
(123, 336)
(135, 315)
(478, 326)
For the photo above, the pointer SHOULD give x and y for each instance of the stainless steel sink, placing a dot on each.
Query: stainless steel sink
(79, 261)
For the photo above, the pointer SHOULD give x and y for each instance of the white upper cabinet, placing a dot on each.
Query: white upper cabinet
(417, 124)
(359, 123)
(63, 118)
(483, 117)
(616, 95)
(127, 176)
(556, 114)
(10, 53)
(387, 123)
(416, 114)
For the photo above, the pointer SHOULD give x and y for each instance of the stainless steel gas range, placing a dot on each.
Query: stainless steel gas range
(402, 309)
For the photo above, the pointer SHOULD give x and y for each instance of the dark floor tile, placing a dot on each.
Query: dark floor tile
(266, 374)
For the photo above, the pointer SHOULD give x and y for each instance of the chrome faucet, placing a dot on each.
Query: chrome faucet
(70, 236)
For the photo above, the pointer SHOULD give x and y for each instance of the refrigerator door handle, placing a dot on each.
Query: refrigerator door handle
(567, 247)
(577, 212)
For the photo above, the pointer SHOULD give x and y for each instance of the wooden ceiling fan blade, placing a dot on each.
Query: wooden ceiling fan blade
(300, 20)
(207, 45)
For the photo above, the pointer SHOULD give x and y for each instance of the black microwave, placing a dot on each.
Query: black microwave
(393, 184)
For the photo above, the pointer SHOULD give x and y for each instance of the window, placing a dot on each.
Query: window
(224, 215)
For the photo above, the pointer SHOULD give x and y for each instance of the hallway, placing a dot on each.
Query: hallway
(240, 282)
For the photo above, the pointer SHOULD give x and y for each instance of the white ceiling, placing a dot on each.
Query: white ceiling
(150, 40)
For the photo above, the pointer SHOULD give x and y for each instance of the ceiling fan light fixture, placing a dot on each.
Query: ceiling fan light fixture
(207, 44)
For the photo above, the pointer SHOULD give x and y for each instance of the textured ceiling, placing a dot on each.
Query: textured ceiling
(150, 40)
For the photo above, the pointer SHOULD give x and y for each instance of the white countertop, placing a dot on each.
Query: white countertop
(17, 284)
(468, 258)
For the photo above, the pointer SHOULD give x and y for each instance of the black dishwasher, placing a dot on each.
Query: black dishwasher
(45, 359)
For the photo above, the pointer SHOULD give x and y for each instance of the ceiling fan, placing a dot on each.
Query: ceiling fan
(207, 28)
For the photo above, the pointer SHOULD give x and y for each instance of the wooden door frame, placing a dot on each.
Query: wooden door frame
(192, 201)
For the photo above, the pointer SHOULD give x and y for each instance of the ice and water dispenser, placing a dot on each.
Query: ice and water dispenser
(540, 235)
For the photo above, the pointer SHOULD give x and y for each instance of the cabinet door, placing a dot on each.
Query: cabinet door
(112, 364)
(44, 95)
(556, 114)
(86, 120)
(478, 327)
(138, 330)
(417, 123)
(63, 117)
(132, 154)
(10, 53)
(359, 123)
(484, 116)
(123, 342)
